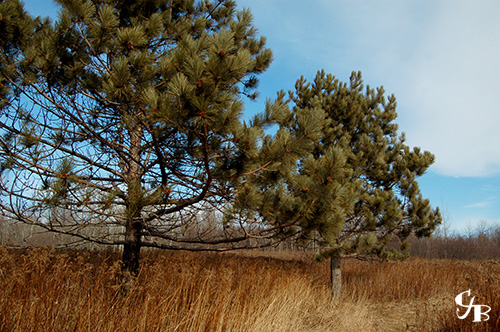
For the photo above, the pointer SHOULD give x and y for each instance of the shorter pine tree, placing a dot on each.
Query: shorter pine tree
(354, 184)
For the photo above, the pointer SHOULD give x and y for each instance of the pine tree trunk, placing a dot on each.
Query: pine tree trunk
(132, 249)
(336, 277)
(133, 226)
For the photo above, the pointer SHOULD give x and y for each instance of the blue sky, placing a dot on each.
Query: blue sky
(440, 58)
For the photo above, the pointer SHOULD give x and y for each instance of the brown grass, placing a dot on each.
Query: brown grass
(44, 290)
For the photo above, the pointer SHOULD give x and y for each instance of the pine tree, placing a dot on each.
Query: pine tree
(354, 189)
(121, 123)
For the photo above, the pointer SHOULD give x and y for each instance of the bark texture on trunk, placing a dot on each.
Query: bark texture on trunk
(336, 277)
(134, 204)
(132, 249)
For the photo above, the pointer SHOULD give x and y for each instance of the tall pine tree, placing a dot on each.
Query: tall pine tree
(121, 123)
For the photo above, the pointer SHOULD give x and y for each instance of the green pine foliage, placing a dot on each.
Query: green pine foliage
(130, 111)
(357, 184)
(15, 26)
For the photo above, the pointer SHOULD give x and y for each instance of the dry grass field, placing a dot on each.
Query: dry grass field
(45, 290)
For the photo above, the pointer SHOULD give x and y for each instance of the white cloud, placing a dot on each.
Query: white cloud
(454, 85)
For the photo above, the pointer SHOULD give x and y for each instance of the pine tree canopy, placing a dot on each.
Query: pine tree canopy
(355, 188)
(127, 113)
(121, 123)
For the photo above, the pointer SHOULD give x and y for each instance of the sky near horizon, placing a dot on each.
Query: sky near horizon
(440, 58)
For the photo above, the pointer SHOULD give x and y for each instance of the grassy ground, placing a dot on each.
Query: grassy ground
(42, 290)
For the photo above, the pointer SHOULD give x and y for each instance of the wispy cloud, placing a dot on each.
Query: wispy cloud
(455, 84)
(479, 205)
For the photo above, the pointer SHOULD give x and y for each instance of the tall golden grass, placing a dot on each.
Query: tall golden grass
(45, 290)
